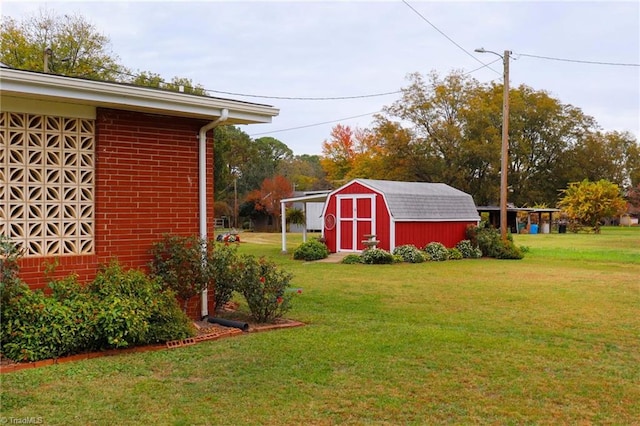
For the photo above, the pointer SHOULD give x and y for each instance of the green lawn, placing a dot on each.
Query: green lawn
(550, 339)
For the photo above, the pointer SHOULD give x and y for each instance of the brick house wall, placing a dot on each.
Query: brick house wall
(146, 185)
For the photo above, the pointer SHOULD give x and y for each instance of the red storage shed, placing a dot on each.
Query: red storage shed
(397, 213)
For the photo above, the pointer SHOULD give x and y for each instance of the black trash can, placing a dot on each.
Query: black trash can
(562, 228)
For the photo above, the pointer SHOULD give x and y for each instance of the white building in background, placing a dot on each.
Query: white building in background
(312, 209)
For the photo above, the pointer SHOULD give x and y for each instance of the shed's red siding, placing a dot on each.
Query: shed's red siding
(416, 233)
(422, 233)
(146, 185)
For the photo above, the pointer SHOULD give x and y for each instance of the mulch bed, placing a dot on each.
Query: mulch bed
(206, 331)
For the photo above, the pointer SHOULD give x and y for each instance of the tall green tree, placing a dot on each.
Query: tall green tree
(541, 131)
(614, 156)
(436, 109)
(69, 44)
(305, 172)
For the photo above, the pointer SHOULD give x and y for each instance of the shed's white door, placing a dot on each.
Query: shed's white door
(356, 218)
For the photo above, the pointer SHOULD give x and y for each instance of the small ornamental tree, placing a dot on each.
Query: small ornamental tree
(589, 202)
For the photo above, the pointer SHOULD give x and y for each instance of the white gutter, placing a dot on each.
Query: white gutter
(34, 85)
(202, 191)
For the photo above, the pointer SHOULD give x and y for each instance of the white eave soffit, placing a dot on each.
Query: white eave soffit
(112, 95)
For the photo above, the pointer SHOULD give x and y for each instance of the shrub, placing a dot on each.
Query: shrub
(119, 309)
(376, 256)
(133, 309)
(436, 251)
(124, 301)
(178, 261)
(10, 283)
(167, 321)
(68, 292)
(265, 288)
(472, 233)
(221, 261)
(37, 327)
(492, 245)
(311, 250)
(409, 253)
(454, 254)
(351, 259)
(468, 250)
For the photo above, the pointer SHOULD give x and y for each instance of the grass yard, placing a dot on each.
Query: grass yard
(550, 339)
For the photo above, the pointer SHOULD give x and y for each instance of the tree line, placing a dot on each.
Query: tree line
(449, 129)
(442, 129)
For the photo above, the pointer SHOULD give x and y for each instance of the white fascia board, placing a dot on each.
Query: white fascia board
(306, 198)
(120, 96)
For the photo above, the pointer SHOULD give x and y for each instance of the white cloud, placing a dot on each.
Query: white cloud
(348, 48)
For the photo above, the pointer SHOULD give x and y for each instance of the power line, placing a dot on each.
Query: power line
(447, 37)
(579, 61)
(301, 98)
(247, 95)
(355, 116)
(315, 124)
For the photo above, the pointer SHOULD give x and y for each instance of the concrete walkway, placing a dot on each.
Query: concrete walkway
(335, 257)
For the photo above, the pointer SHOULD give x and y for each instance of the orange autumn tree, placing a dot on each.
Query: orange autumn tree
(267, 198)
(349, 154)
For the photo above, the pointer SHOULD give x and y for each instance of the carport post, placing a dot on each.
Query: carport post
(283, 222)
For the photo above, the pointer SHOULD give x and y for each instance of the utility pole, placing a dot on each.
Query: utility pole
(504, 164)
(504, 159)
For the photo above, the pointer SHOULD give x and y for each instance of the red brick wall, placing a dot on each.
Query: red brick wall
(146, 185)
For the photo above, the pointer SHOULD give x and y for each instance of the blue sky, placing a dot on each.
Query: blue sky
(336, 49)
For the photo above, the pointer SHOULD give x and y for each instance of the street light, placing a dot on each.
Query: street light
(505, 141)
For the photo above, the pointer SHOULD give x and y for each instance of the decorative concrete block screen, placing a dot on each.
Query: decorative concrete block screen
(47, 177)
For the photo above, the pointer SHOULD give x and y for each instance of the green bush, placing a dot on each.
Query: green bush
(37, 327)
(352, 259)
(409, 253)
(70, 293)
(119, 309)
(311, 250)
(221, 261)
(265, 288)
(178, 261)
(468, 250)
(167, 321)
(492, 245)
(436, 252)
(128, 301)
(376, 256)
(455, 254)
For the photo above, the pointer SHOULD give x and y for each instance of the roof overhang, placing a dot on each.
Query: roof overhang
(50, 87)
(319, 198)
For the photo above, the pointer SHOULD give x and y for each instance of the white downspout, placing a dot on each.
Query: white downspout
(202, 191)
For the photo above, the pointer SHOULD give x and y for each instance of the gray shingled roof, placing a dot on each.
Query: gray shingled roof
(423, 201)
